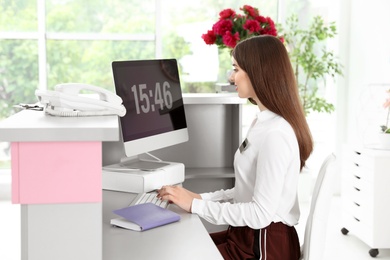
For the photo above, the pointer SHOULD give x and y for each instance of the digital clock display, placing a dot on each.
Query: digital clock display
(152, 95)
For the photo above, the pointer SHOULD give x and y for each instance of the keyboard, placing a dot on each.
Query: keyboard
(151, 198)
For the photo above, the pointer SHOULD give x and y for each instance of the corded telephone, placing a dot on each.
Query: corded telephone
(66, 100)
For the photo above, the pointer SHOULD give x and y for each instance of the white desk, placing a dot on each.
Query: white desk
(186, 239)
(65, 222)
(56, 177)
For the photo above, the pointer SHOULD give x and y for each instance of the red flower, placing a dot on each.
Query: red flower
(230, 39)
(261, 19)
(227, 13)
(270, 21)
(222, 26)
(232, 27)
(252, 26)
(249, 10)
(209, 37)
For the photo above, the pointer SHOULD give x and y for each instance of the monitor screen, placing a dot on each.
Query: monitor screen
(151, 92)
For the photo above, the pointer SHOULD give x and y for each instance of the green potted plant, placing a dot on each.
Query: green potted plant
(311, 61)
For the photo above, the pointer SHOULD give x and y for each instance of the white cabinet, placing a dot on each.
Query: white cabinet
(366, 196)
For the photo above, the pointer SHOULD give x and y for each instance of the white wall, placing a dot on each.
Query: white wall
(366, 45)
(364, 50)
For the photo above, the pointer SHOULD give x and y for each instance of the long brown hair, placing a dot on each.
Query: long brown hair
(265, 59)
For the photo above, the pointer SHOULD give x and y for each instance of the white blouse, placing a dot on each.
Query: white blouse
(266, 179)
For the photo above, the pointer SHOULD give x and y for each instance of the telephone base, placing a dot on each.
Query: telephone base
(119, 177)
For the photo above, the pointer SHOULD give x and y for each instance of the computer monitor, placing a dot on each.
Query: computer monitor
(151, 92)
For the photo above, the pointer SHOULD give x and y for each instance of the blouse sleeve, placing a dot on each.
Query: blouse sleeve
(221, 195)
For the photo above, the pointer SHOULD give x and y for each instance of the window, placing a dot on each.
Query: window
(46, 42)
(56, 41)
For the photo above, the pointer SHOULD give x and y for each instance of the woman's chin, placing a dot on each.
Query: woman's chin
(240, 95)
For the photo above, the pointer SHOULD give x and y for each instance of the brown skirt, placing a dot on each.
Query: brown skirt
(274, 242)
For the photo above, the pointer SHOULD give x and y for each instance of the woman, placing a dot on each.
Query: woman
(262, 208)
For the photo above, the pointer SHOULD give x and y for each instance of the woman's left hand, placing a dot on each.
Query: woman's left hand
(178, 195)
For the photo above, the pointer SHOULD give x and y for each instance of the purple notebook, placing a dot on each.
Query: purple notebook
(145, 216)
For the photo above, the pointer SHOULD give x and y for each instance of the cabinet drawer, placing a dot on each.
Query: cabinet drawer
(356, 187)
(360, 171)
(363, 160)
(355, 170)
(358, 195)
(356, 227)
(361, 212)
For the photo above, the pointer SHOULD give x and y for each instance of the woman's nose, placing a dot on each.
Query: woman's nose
(231, 77)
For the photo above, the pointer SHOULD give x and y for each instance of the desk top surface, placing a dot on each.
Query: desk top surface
(186, 239)
(37, 126)
(33, 126)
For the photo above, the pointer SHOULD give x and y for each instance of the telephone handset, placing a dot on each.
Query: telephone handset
(66, 100)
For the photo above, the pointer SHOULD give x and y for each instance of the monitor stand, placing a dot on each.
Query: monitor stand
(140, 175)
(143, 165)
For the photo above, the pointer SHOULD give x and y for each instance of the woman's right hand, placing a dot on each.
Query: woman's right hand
(178, 195)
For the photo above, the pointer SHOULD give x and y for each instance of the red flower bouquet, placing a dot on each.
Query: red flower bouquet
(232, 27)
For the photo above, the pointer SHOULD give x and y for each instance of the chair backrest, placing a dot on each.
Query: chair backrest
(316, 225)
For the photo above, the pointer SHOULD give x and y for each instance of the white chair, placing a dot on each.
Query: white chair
(316, 225)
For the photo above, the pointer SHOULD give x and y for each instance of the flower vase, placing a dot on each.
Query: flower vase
(384, 141)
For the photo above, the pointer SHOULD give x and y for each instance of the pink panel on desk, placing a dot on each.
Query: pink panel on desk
(57, 172)
(15, 172)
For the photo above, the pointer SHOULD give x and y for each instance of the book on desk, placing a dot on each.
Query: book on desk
(143, 217)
